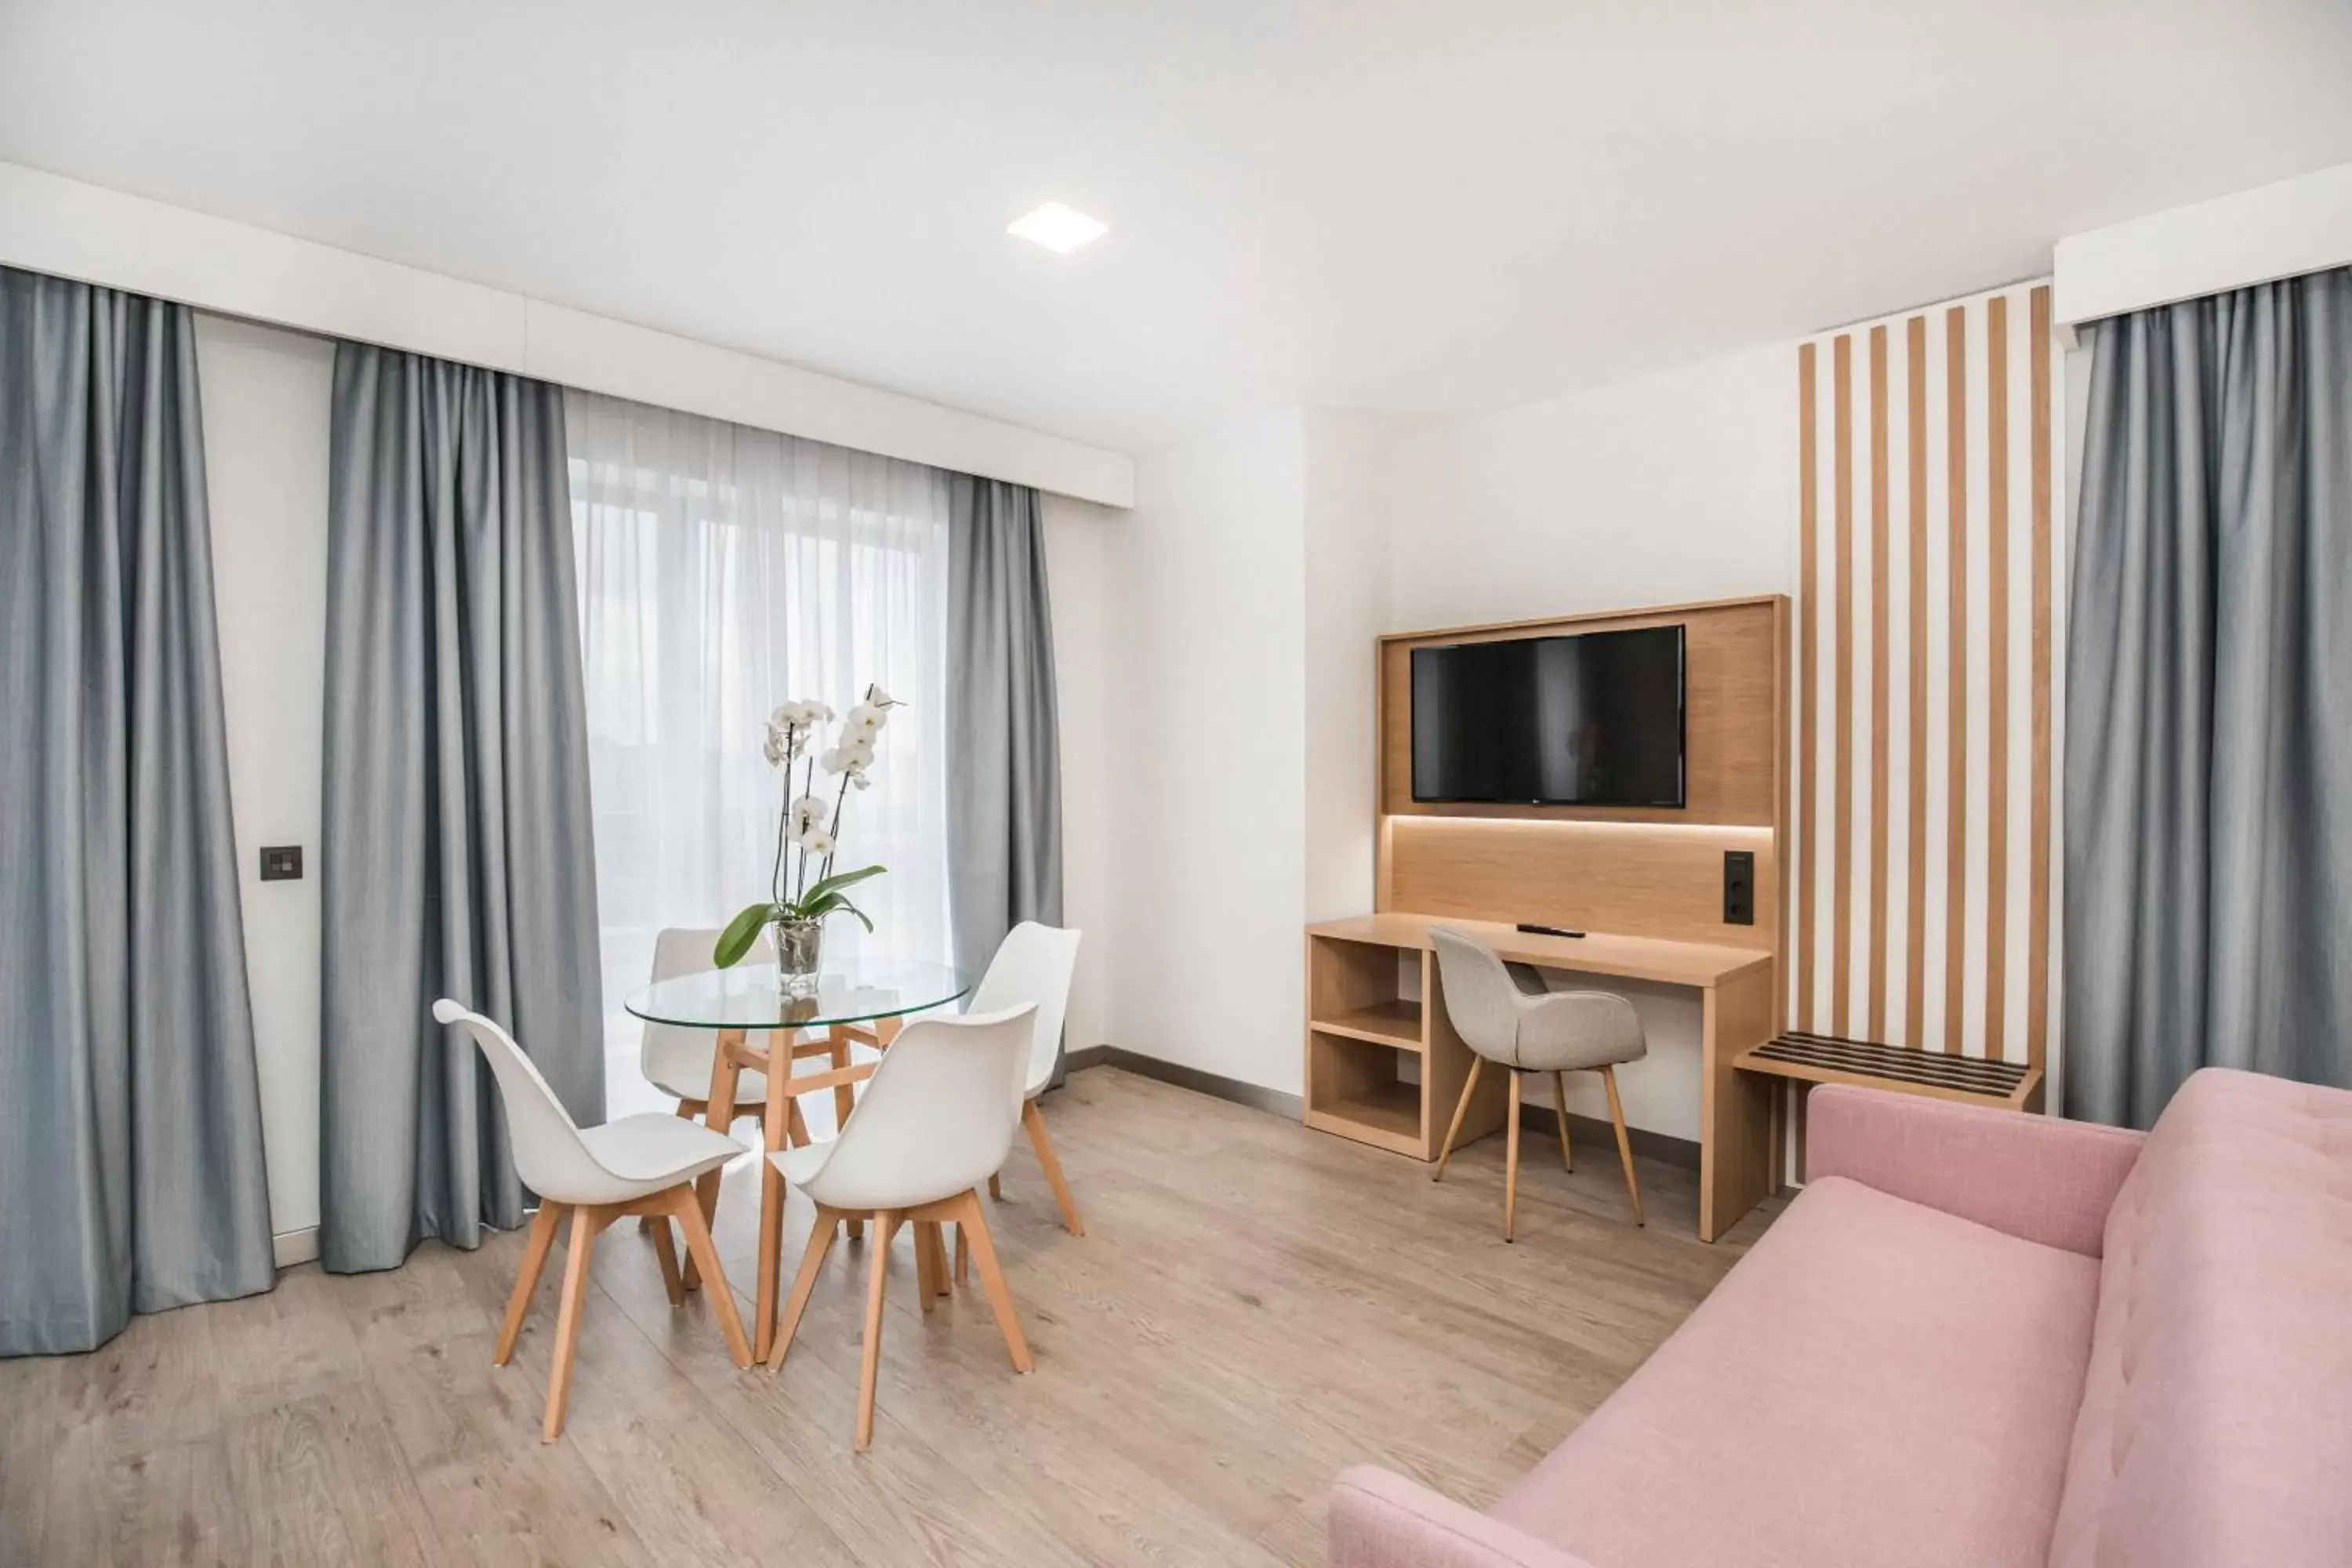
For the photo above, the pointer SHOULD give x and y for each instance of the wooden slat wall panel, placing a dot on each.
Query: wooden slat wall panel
(1926, 700)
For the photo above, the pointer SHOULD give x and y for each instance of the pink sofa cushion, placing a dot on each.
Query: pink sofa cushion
(1876, 1382)
(2216, 1424)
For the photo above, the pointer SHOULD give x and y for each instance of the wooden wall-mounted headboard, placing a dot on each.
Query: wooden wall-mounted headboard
(1640, 870)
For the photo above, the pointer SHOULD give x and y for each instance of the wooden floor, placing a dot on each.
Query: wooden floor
(1254, 1306)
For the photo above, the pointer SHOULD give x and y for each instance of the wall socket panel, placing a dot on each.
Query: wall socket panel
(1739, 887)
(281, 863)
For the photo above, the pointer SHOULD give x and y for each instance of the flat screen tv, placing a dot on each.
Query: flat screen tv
(1593, 719)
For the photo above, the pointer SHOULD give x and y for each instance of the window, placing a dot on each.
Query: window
(723, 570)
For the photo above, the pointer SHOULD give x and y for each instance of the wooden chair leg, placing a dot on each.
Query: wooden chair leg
(666, 1254)
(939, 1259)
(1032, 1119)
(578, 1248)
(1560, 1113)
(722, 1299)
(1461, 1109)
(927, 1280)
(962, 1256)
(869, 1360)
(1511, 1160)
(534, 1263)
(1624, 1143)
(813, 1256)
(991, 1280)
(997, 1189)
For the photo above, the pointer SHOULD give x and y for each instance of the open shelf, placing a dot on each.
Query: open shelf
(1358, 1088)
(1392, 1109)
(1394, 1022)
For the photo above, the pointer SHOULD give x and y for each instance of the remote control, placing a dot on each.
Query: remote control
(1547, 930)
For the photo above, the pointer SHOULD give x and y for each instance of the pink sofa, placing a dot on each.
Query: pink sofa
(1976, 1338)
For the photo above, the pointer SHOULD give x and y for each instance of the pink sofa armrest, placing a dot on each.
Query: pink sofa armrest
(1383, 1520)
(2035, 1177)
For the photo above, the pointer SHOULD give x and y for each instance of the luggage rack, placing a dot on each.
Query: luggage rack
(1830, 1058)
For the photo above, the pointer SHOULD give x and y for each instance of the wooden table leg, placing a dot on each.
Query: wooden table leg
(844, 1102)
(719, 1113)
(773, 1127)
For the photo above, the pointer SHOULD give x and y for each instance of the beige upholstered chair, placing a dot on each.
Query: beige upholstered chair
(1504, 1015)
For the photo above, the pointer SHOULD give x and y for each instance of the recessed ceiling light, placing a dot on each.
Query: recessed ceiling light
(1057, 228)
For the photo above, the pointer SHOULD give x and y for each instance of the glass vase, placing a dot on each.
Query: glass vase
(800, 949)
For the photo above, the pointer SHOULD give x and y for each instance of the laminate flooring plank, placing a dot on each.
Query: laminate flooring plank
(29, 1439)
(899, 1502)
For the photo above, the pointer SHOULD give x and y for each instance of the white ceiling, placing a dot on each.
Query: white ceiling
(1423, 208)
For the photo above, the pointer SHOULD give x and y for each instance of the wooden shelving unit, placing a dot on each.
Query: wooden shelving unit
(1361, 1028)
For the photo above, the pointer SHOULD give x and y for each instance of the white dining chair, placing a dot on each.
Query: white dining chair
(676, 1061)
(935, 1121)
(644, 1165)
(1034, 964)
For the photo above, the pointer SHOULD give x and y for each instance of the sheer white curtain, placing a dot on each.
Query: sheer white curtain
(723, 570)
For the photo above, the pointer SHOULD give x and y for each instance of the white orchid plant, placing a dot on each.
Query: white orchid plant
(809, 830)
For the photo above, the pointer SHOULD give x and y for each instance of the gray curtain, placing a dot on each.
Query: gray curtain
(2208, 700)
(1004, 751)
(457, 857)
(131, 1159)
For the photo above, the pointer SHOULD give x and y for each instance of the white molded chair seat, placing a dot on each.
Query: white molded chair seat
(676, 1061)
(798, 1164)
(638, 1165)
(647, 1152)
(936, 1120)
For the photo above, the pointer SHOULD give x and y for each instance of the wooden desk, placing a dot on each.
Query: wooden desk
(1358, 1024)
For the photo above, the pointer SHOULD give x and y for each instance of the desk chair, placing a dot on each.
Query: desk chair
(643, 1164)
(1505, 1017)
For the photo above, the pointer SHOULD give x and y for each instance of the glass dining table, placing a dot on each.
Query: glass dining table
(862, 1002)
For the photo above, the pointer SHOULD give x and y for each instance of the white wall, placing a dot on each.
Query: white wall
(1079, 537)
(1677, 487)
(1207, 858)
(1257, 569)
(265, 396)
(1346, 606)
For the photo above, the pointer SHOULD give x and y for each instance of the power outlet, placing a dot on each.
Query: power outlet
(281, 863)
(1739, 887)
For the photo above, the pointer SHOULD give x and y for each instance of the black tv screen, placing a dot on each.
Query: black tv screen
(1595, 719)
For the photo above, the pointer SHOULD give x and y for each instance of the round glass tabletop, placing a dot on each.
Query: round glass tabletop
(749, 997)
